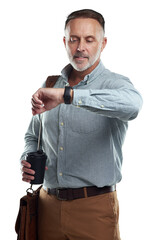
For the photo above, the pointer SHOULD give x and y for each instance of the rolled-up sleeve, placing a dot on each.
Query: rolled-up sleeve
(123, 101)
(31, 137)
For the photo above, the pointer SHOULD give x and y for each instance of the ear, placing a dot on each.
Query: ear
(104, 43)
(64, 41)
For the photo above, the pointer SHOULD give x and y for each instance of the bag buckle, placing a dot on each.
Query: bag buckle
(30, 190)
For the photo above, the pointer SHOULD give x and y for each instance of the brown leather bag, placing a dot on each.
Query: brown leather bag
(26, 223)
(27, 219)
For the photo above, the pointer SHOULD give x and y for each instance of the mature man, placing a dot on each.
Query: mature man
(84, 123)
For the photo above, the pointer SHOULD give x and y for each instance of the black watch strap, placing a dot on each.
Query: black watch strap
(67, 95)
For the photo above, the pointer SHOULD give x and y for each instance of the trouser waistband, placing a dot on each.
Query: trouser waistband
(76, 193)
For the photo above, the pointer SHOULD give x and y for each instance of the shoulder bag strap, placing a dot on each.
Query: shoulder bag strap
(51, 81)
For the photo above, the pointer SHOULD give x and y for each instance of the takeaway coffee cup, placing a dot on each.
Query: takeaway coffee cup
(38, 163)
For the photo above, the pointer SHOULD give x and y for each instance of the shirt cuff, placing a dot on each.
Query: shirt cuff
(80, 97)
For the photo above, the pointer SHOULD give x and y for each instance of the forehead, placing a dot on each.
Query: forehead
(83, 26)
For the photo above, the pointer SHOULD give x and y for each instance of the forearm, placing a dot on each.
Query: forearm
(31, 136)
(30, 146)
(123, 103)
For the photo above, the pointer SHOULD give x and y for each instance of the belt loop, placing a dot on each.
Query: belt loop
(85, 192)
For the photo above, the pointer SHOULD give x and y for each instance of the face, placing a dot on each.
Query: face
(84, 41)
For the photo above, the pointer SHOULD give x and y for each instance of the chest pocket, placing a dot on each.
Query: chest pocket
(82, 121)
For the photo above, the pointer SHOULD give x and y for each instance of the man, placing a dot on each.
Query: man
(84, 123)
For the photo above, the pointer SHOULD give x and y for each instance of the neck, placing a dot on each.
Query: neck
(77, 76)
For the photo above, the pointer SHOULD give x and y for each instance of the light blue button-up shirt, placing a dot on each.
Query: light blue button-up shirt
(83, 140)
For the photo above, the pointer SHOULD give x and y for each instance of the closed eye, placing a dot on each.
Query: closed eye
(90, 39)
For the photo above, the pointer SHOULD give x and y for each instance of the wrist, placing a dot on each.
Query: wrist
(72, 95)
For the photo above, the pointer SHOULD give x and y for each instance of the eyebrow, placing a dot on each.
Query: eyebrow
(89, 36)
(73, 36)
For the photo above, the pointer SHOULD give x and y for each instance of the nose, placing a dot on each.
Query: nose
(81, 46)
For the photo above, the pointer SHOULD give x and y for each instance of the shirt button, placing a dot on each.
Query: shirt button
(60, 174)
(62, 123)
(61, 148)
(80, 102)
(102, 106)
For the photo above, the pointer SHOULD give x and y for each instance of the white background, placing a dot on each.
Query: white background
(31, 48)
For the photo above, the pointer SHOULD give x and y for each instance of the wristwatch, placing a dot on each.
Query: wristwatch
(67, 95)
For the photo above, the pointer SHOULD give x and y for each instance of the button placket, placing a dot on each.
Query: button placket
(60, 162)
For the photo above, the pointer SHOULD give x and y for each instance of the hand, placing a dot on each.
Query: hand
(25, 170)
(46, 98)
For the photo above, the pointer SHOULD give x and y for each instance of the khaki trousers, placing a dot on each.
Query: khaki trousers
(92, 218)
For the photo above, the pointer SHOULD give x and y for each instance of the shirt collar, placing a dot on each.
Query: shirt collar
(88, 78)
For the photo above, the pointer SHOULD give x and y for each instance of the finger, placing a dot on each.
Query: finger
(25, 164)
(36, 98)
(27, 178)
(37, 105)
(28, 170)
(38, 111)
(34, 112)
